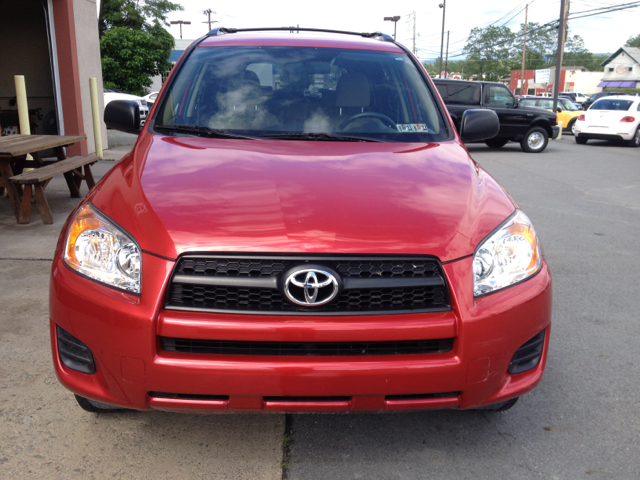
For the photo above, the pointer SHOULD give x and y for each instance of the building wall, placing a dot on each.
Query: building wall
(584, 82)
(631, 69)
(88, 45)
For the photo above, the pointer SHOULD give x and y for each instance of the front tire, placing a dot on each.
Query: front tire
(535, 140)
(581, 140)
(635, 141)
(496, 142)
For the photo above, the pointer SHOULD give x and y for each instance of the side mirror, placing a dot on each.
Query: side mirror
(559, 110)
(123, 115)
(479, 124)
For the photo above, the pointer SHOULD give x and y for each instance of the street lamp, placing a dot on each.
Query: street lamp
(180, 22)
(395, 22)
(443, 6)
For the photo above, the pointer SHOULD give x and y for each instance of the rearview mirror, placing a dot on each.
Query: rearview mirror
(479, 124)
(123, 115)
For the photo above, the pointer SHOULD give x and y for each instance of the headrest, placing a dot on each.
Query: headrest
(353, 91)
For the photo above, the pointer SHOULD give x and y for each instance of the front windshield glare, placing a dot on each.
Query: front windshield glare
(274, 91)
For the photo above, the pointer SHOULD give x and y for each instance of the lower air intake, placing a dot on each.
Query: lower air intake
(528, 355)
(306, 349)
(73, 353)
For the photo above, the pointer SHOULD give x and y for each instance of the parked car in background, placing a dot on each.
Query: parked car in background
(151, 97)
(567, 111)
(611, 118)
(264, 250)
(576, 97)
(597, 96)
(532, 127)
(111, 95)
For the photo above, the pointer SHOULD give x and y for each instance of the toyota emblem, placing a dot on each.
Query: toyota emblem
(311, 287)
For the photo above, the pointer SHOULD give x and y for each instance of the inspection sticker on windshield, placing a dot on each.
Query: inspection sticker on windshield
(412, 127)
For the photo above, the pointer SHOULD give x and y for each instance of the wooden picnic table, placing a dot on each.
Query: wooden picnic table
(13, 160)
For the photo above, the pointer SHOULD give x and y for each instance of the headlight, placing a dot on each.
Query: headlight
(507, 256)
(100, 250)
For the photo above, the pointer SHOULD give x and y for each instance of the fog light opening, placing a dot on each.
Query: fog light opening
(74, 354)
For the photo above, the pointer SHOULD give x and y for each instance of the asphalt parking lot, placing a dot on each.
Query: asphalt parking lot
(583, 421)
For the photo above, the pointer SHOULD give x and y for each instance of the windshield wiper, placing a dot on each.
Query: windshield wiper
(203, 131)
(319, 137)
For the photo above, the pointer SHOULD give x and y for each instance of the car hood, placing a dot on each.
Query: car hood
(185, 194)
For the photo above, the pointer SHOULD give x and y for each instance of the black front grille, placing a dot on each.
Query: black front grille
(253, 285)
(306, 349)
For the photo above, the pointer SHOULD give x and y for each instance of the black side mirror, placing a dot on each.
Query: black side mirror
(123, 115)
(559, 110)
(479, 124)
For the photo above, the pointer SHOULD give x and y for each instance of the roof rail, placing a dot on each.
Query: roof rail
(224, 30)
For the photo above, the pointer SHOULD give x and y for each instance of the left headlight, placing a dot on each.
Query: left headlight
(98, 249)
(507, 256)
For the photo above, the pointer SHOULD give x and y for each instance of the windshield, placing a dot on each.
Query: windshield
(568, 105)
(280, 92)
(611, 104)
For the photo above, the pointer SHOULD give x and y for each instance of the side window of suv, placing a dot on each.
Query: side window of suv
(498, 96)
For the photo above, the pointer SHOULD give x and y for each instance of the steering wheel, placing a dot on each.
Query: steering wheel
(378, 116)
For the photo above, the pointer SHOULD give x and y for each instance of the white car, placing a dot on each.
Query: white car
(151, 98)
(611, 118)
(110, 95)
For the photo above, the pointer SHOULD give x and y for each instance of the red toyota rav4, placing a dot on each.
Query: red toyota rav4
(299, 227)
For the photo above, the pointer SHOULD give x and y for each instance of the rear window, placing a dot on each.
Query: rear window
(462, 94)
(262, 91)
(611, 104)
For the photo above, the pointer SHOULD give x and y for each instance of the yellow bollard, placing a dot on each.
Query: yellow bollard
(95, 110)
(560, 134)
(23, 108)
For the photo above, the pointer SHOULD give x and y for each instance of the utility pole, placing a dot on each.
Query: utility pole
(443, 6)
(446, 59)
(524, 50)
(562, 29)
(393, 19)
(208, 12)
(180, 22)
(414, 33)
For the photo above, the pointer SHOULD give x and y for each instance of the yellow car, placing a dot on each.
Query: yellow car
(567, 111)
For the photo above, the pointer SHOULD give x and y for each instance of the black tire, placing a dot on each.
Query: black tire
(496, 142)
(571, 127)
(499, 407)
(97, 407)
(635, 141)
(535, 140)
(581, 140)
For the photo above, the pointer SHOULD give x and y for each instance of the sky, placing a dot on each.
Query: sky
(602, 34)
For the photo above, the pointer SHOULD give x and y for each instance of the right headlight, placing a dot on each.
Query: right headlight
(507, 256)
(102, 251)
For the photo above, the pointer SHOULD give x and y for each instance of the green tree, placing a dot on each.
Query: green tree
(490, 52)
(633, 41)
(131, 57)
(135, 14)
(134, 45)
(576, 54)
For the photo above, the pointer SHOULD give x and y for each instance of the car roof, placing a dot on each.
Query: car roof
(300, 38)
(626, 97)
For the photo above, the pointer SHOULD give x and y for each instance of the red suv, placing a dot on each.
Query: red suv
(299, 227)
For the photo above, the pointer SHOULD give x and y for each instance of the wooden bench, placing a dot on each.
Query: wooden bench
(74, 169)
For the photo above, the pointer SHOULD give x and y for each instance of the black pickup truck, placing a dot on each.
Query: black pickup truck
(530, 126)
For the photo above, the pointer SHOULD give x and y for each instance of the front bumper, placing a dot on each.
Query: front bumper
(123, 332)
(555, 130)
